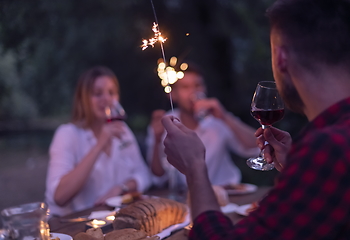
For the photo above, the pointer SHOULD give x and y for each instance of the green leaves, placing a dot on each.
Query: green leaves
(52, 42)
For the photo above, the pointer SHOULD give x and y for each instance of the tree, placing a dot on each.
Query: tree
(54, 41)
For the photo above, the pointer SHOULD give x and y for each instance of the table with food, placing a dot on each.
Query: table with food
(150, 216)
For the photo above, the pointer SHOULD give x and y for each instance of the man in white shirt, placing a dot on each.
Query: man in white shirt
(220, 131)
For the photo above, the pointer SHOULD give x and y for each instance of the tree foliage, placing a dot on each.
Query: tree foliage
(52, 42)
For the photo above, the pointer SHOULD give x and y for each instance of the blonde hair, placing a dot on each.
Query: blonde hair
(82, 114)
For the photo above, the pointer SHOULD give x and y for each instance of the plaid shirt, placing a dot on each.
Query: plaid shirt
(312, 197)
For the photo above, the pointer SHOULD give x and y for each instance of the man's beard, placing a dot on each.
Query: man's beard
(291, 97)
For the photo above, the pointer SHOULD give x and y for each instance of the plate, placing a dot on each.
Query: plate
(239, 189)
(61, 236)
(114, 201)
(167, 232)
(229, 208)
(242, 210)
(119, 201)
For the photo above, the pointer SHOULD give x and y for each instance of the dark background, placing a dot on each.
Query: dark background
(46, 44)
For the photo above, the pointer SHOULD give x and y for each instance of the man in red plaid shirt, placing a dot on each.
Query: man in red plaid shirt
(310, 46)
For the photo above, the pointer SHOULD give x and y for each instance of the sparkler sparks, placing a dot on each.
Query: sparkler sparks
(150, 42)
(157, 38)
(168, 74)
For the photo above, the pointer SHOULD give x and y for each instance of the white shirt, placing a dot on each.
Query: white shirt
(71, 144)
(218, 140)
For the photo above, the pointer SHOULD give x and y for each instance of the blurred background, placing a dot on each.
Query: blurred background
(46, 44)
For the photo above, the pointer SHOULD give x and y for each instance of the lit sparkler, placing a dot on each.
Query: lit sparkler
(150, 42)
(157, 38)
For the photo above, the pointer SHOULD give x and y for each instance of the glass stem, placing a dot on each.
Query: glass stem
(265, 143)
(262, 150)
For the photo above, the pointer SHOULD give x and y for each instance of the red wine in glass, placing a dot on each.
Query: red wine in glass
(267, 108)
(267, 117)
(116, 112)
(112, 119)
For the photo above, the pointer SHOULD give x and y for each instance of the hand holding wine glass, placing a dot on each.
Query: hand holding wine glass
(200, 111)
(267, 108)
(204, 106)
(115, 112)
(280, 143)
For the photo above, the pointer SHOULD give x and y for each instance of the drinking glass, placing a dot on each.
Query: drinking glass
(202, 113)
(115, 112)
(26, 222)
(267, 108)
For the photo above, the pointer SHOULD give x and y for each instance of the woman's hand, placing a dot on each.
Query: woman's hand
(279, 144)
(110, 130)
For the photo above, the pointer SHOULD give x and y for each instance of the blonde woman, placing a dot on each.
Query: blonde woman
(87, 163)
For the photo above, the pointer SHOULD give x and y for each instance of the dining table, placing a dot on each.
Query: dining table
(61, 224)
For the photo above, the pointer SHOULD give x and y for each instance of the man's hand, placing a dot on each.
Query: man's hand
(183, 147)
(211, 105)
(186, 152)
(279, 144)
(156, 124)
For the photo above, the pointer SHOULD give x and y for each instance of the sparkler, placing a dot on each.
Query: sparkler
(168, 74)
(157, 38)
(150, 42)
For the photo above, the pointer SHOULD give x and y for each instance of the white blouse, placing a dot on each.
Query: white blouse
(70, 145)
(218, 140)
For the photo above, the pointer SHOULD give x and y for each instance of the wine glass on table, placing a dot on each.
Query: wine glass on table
(267, 108)
(115, 112)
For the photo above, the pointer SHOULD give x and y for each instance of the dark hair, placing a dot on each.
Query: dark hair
(316, 30)
(194, 68)
(82, 112)
(191, 68)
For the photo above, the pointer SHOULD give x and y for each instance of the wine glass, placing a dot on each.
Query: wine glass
(267, 108)
(202, 113)
(115, 112)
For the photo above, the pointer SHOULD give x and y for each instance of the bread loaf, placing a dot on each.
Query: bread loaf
(122, 234)
(150, 215)
(125, 234)
(96, 233)
(84, 236)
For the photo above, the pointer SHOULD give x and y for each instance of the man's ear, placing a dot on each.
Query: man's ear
(281, 58)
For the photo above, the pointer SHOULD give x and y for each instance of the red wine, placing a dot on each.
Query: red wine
(115, 119)
(267, 117)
